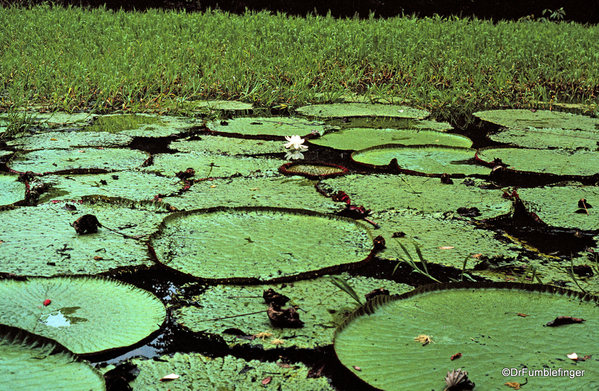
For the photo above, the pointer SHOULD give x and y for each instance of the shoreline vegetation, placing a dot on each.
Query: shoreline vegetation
(97, 60)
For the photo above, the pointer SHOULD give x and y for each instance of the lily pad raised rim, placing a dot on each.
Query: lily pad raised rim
(284, 169)
(335, 269)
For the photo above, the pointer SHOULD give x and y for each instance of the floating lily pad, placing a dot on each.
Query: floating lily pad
(324, 308)
(12, 190)
(549, 138)
(259, 244)
(54, 160)
(557, 162)
(361, 138)
(380, 192)
(272, 126)
(522, 119)
(442, 240)
(198, 372)
(259, 189)
(480, 321)
(40, 241)
(227, 145)
(32, 363)
(86, 315)
(558, 205)
(313, 170)
(65, 140)
(422, 159)
(338, 110)
(209, 165)
(133, 185)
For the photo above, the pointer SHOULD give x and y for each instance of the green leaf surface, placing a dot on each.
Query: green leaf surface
(70, 139)
(480, 322)
(568, 139)
(224, 105)
(361, 138)
(424, 159)
(380, 192)
(227, 145)
(53, 160)
(140, 125)
(522, 119)
(338, 110)
(133, 185)
(555, 161)
(275, 190)
(558, 205)
(29, 362)
(228, 373)
(86, 315)
(40, 241)
(258, 243)
(209, 165)
(11, 190)
(322, 307)
(273, 126)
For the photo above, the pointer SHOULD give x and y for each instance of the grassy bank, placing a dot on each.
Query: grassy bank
(74, 59)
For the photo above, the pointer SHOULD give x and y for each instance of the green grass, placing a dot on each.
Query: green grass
(75, 59)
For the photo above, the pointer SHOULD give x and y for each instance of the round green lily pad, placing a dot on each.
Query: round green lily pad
(86, 315)
(324, 306)
(361, 138)
(40, 241)
(237, 244)
(522, 119)
(12, 190)
(29, 362)
(554, 161)
(228, 105)
(423, 159)
(227, 145)
(338, 110)
(312, 170)
(198, 372)
(495, 327)
(54, 160)
(568, 139)
(273, 126)
(70, 139)
(140, 125)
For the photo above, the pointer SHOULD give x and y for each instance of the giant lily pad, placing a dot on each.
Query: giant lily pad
(227, 145)
(313, 170)
(233, 307)
(140, 125)
(558, 205)
(55, 160)
(422, 159)
(339, 110)
(361, 138)
(549, 138)
(555, 161)
(133, 185)
(539, 119)
(70, 139)
(259, 244)
(259, 189)
(12, 190)
(490, 325)
(273, 126)
(210, 165)
(30, 362)
(86, 315)
(198, 372)
(40, 241)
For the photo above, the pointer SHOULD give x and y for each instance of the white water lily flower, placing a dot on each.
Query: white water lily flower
(295, 142)
(294, 155)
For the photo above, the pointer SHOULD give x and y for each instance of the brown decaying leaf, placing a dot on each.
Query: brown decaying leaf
(266, 380)
(562, 320)
(513, 384)
(522, 315)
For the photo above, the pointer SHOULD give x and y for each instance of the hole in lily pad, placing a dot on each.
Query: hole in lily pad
(237, 245)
